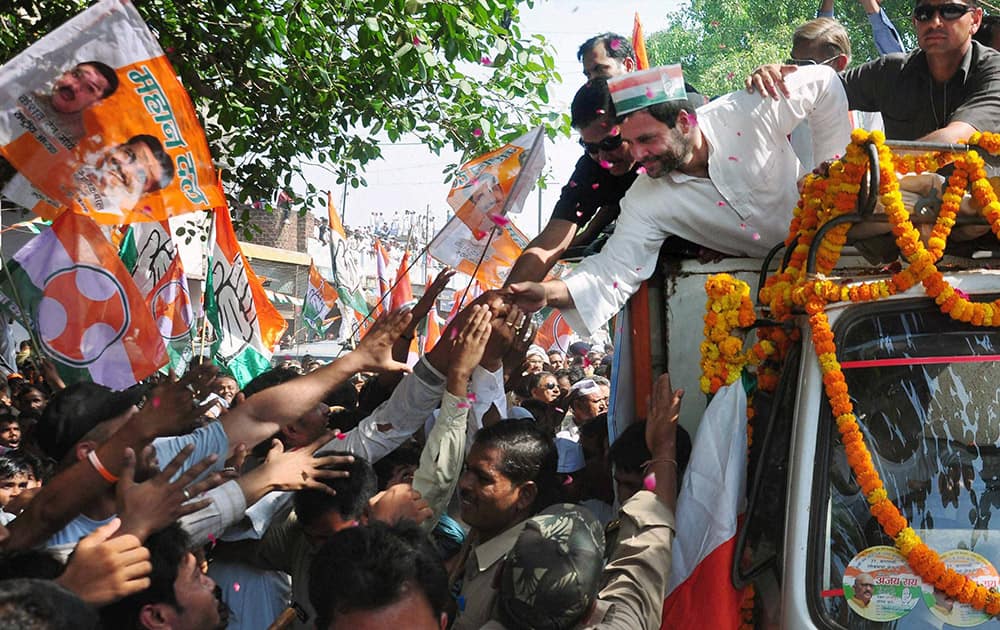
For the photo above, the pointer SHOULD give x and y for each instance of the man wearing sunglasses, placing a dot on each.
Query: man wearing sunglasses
(601, 176)
(942, 92)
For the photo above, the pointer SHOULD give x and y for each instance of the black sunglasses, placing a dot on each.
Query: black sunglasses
(550, 385)
(949, 12)
(608, 144)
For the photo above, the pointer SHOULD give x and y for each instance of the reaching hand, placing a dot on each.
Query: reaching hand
(423, 306)
(770, 78)
(101, 571)
(375, 349)
(152, 505)
(301, 468)
(524, 336)
(398, 502)
(171, 408)
(530, 296)
(664, 410)
(506, 330)
(470, 344)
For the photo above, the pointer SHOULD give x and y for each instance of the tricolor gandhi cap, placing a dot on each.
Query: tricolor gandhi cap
(638, 90)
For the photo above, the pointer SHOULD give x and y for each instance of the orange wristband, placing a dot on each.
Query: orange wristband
(99, 467)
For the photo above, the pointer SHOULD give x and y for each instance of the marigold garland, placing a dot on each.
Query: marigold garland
(822, 199)
(728, 307)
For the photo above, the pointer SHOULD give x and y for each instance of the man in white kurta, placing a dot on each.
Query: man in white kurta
(724, 177)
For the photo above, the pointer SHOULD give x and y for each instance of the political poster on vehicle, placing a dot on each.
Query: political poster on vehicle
(95, 121)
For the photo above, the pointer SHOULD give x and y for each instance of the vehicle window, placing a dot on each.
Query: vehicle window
(925, 390)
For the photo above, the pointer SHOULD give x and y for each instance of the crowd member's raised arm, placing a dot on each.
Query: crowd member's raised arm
(170, 410)
(887, 39)
(401, 349)
(263, 414)
(106, 567)
(635, 579)
(443, 454)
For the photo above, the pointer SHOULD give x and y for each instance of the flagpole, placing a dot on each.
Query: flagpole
(204, 285)
(20, 307)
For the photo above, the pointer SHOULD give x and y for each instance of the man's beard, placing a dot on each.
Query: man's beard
(671, 160)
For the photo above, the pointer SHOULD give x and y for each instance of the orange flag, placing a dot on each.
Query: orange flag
(433, 330)
(402, 290)
(639, 44)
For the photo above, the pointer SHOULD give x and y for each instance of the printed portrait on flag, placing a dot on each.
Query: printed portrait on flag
(95, 120)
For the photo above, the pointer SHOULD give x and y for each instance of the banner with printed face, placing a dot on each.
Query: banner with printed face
(484, 192)
(95, 121)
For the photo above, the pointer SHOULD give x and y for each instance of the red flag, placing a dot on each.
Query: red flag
(554, 333)
(639, 44)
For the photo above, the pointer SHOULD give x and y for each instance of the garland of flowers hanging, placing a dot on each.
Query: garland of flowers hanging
(822, 199)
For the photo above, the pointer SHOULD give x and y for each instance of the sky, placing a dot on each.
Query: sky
(410, 177)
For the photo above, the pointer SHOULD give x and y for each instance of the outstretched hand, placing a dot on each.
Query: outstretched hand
(103, 569)
(301, 468)
(423, 306)
(399, 502)
(664, 411)
(529, 296)
(172, 407)
(470, 343)
(375, 349)
(152, 505)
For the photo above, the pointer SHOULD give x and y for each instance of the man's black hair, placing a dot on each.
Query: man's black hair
(592, 102)
(167, 550)
(105, 71)
(406, 454)
(629, 452)
(529, 454)
(14, 464)
(372, 566)
(272, 377)
(987, 29)
(615, 47)
(31, 604)
(29, 563)
(352, 495)
(574, 373)
(160, 155)
(666, 113)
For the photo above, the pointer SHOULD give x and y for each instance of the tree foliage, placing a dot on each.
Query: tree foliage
(282, 82)
(720, 42)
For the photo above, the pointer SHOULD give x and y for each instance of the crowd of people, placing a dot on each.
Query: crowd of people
(479, 488)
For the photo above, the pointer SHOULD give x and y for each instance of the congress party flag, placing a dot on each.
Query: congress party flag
(639, 44)
(481, 239)
(554, 333)
(345, 264)
(246, 325)
(319, 301)
(402, 289)
(147, 249)
(149, 254)
(170, 303)
(433, 332)
(95, 120)
(82, 305)
(384, 302)
(700, 593)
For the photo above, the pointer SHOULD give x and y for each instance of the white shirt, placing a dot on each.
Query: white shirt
(744, 206)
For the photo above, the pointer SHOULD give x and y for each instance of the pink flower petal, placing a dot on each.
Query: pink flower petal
(595, 186)
(579, 214)
(649, 93)
(236, 586)
(572, 184)
(649, 483)
(756, 236)
(477, 132)
(453, 333)
(641, 170)
(472, 396)
(486, 61)
(568, 480)
(605, 164)
(721, 203)
(211, 539)
(733, 158)
(600, 112)
(462, 405)
(416, 41)
(962, 294)
(730, 75)
(156, 402)
(499, 219)
(479, 234)
(615, 285)
(743, 226)
(615, 43)
(341, 436)
(739, 133)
